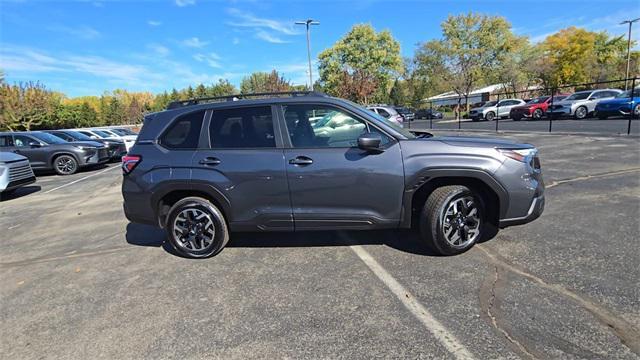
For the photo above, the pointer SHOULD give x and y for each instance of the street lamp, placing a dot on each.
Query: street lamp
(308, 23)
(630, 22)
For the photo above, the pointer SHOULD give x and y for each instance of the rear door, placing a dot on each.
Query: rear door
(244, 161)
(333, 183)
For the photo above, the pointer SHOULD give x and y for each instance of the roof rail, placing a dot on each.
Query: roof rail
(236, 97)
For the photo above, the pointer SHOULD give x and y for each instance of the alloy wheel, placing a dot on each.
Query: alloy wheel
(66, 165)
(581, 112)
(461, 222)
(193, 229)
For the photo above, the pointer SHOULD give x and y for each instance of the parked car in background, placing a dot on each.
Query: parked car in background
(493, 109)
(123, 131)
(534, 108)
(387, 112)
(15, 171)
(128, 139)
(581, 104)
(117, 148)
(99, 134)
(428, 114)
(49, 152)
(406, 113)
(622, 105)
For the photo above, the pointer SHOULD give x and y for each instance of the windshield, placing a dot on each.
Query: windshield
(78, 136)
(579, 95)
(391, 124)
(402, 110)
(627, 94)
(539, 100)
(123, 131)
(48, 138)
(102, 133)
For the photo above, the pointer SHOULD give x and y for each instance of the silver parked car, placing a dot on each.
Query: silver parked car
(493, 109)
(581, 104)
(15, 172)
(387, 112)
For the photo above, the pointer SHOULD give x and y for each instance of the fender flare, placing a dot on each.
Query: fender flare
(426, 176)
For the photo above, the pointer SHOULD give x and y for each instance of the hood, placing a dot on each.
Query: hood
(470, 141)
(88, 144)
(6, 156)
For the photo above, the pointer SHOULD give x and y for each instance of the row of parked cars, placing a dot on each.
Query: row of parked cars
(601, 103)
(64, 151)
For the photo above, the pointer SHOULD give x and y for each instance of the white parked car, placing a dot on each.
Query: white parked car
(581, 104)
(493, 109)
(15, 172)
(387, 112)
(129, 140)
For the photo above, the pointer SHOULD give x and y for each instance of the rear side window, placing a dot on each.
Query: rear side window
(248, 127)
(184, 133)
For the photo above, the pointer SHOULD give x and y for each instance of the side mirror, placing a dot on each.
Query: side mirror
(369, 142)
(34, 144)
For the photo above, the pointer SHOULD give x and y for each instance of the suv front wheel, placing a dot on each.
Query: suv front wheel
(452, 219)
(197, 228)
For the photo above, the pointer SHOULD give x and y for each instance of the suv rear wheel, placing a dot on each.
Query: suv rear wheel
(197, 228)
(452, 219)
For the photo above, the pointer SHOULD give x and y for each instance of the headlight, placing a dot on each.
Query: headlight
(81, 147)
(518, 154)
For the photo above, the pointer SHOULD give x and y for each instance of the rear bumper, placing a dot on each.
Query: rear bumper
(535, 210)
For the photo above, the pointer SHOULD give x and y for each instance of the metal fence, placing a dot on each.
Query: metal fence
(622, 117)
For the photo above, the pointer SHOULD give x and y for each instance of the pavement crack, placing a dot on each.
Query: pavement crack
(629, 336)
(489, 303)
(589, 177)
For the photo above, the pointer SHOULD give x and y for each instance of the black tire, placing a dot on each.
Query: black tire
(537, 114)
(516, 118)
(581, 113)
(433, 216)
(490, 116)
(195, 246)
(65, 164)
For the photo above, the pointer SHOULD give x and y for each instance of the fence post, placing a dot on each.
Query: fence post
(632, 104)
(497, 119)
(553, 91)
(431, 115)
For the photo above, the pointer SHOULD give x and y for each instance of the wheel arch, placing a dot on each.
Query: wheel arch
(493, 194)
(54, 155)
(163, 199)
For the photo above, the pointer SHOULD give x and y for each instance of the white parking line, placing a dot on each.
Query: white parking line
(446, 338)
(81, 179)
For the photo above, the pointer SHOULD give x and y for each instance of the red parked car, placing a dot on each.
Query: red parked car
(534, 109)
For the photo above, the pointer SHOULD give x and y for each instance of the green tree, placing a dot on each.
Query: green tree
(201, 91)
(362, 65)
(260, 82)
(24, 106)
(471, 49)
(222, 88)
(398, 94)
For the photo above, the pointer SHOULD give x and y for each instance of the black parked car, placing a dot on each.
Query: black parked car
(48, 152)
(117, 148)
(428, 114)
(406, 113)
(203, 169)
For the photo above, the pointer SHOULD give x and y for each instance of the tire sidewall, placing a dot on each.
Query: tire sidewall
(221, 232)
(585, 113)
(490, 116)
(539, 114)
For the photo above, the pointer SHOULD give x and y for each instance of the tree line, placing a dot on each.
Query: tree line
(364, 66)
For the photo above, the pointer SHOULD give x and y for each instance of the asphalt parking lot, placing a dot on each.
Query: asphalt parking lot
(79, 281)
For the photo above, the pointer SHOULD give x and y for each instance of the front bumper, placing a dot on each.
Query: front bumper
(535, 210)
(95, 156)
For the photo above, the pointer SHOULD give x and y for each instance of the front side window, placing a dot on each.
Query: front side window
(47, 138)
(248, 127)
(184, 133)
(23, 141)
(335, 128)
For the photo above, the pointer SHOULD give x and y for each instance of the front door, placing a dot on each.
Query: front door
(244, 162)
(33, 149)
(333, 183)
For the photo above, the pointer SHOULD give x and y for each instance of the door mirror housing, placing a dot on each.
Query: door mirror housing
(34, 144)
(370, 142)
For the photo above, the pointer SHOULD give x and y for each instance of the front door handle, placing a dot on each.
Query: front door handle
(301, 160)
(209, 161)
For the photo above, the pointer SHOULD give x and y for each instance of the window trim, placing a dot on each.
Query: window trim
(285, 131)
(207, 142)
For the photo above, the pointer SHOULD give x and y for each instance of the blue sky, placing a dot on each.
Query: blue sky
(87, 47)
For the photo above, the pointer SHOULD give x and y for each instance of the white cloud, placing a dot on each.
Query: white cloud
(245, 19)
(83, 32)
(159, 49)
(235, 41)
(194, 42)
(263, 35)
(154, 23)
(212, 59)
(183, 3)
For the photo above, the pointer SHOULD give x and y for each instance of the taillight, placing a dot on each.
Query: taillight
(129, 162)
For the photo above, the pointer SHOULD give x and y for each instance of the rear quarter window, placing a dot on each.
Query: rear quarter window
(184, 132)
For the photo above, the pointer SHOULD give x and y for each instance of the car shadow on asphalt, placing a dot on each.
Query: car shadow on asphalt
(20, 192)
(402, 240)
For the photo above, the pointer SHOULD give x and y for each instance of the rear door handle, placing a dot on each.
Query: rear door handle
(301, 160)
(209, 161)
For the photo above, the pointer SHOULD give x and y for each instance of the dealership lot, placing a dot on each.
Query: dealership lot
(79, 281)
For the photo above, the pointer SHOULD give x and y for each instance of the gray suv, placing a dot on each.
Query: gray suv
(202, 169)
(48, 152)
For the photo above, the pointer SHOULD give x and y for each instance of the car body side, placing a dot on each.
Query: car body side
(397, 180)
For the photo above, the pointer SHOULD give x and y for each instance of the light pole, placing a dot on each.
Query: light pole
(308, 23)
(630, 22)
